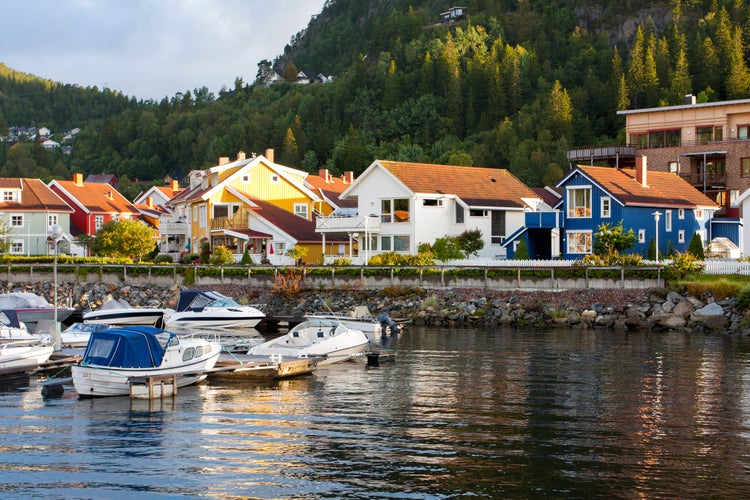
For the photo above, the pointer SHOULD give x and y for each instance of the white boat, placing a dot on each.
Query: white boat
(209, 309)
(119, 312)
(77, 335)
(328, 339)
(361, 319)
(23, 355)
(116, 357)
(31, 308)
(11, 329)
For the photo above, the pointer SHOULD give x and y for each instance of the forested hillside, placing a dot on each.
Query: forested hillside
(514, 84)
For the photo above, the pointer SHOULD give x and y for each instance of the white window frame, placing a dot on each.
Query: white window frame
(300, 210)
(698, 214)
(16, 247)
(17, 220)
(202, 215)
(386, 243)
(606, 213)
(681, 236)
(401, 238)
(680, 213)
(579, 212)
(572, 238)
(52, 219)
(641, 236)
(98, 222)
(668, 221)
(246, 179)
(275, 179)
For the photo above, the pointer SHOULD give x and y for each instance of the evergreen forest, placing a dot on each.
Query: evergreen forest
(514, 85)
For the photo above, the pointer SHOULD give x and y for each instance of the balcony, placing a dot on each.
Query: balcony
(236, 221)
(167, 228)
(543, 220)
(598, 153)
(355, 224)
(710, 180)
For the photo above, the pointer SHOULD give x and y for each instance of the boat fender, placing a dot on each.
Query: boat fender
(52, 391)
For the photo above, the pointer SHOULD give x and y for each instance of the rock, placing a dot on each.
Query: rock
(683, 308)
(672, 321)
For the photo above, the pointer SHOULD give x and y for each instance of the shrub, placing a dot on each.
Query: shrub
(246, 259)
(221, 256)
(720, 289)
(447, 248)
(287, 283)
(695, 247)
(743, 298)
(163, 259)
(682, 265)
(189, 258)
(522, 251)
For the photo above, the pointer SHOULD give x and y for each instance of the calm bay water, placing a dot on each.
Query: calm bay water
(460, 413)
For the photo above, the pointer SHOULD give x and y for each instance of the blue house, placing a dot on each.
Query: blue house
(592, 196)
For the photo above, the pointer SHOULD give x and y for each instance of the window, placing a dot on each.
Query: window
(742, 132)
(274, 179)
(579, 242)
(640, 140)
(202, 218)
(245, 179)
(673, 167)
(698, 213)
(401, 243)
(477, 213)
(385, 243)
(300, 209)
(459, 214)
(668, 220)
(606, 202)
(498, 226)
(396, 210)
(188, 354)
(680, 213)
(16, 220)
(745, 167)
(52, 219)
(432, 202)
(718, 134)
(279, 247)
(681, 236)
(195, 213)
(673, 137)
(16, 247)
(579, 202)
(227, 210)
(98, 222)
(9, 196)
(656, 139)
(641, 236)
(704, 135)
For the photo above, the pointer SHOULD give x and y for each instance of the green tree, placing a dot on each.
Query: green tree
(221, 256)
(610, 240)
(126, 238)
(447, 248)
(522, 251)
(695, 247)
(471, 242)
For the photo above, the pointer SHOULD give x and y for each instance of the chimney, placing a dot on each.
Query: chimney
(269, 154)
(323, 174)
(348, 177)
(175, 185)
(78, 179)
(150, 202)
(223, 160)
(640, 170)
(689, 99)
(240, 156)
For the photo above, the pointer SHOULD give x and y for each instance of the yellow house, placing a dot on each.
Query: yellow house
(245, 205)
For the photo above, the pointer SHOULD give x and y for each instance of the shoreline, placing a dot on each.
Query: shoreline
(616, 309)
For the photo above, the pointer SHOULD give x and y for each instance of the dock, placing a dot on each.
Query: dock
(158, 387)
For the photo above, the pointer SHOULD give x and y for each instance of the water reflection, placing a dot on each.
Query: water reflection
(459, 413)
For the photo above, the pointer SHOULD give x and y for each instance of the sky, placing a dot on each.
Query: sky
(148, 49)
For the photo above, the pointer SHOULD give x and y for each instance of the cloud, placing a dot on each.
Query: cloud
(149, 48)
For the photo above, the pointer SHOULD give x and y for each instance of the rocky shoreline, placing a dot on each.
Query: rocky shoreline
(650, 310)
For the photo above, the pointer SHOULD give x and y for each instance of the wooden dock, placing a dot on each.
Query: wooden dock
(158, 387)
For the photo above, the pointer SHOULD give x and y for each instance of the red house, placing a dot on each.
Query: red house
(93, 203)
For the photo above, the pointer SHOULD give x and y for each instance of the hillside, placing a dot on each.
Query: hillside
(512, 84)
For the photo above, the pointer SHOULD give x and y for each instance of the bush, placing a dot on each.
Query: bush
(695, 247)
(522, 251)
(246, 259)
(221, 256)
(743, 298)
(682, 265)
(189, 258)
(163, 259)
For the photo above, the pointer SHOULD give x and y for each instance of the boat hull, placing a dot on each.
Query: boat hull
(24, 356)
(134, 317)
(212, 320)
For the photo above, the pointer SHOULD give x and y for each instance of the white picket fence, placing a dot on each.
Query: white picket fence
(726, 267)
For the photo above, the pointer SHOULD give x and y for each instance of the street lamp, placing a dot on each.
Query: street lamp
(28, 237)
(55, 233)
(656, 223)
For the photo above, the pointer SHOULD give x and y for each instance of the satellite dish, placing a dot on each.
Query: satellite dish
(55, 231)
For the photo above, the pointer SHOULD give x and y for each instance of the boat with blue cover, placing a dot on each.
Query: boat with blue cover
(115, 357)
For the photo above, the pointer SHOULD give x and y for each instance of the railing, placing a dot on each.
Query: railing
(239, 221)
(333, 224)
(710, 179)
(167, 228)
(599, 152)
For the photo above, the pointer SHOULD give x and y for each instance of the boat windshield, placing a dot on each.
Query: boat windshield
(225, 302)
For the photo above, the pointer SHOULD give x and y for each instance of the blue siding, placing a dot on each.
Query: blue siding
(727, 228)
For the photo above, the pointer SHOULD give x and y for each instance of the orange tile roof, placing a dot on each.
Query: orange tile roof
(331, 189)
(35, 196)
(93, 196)
(477, 186)
(663, 188)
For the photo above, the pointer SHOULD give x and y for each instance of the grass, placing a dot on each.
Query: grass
(724, 286)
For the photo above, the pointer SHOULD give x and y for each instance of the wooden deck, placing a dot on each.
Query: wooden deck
(261, 367)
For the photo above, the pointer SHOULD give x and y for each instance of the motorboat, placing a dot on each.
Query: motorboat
(23, 354)
(117, 357)
(32, 308)
(328, 339)
(120, 312)
(361, 319)
(11, 329)
(210, 309)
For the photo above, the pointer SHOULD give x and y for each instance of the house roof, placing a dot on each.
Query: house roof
(36, 196)
(96, 197)
(477, 186)
(300, 229)
(331, 190)
(102, 178)
(550, 196)
(663, 188)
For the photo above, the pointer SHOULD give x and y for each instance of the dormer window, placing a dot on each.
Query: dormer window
(10, 195)
(300, 209)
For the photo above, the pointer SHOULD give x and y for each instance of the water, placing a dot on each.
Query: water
(460, 413)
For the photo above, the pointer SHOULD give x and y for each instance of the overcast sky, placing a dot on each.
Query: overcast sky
(148, 49)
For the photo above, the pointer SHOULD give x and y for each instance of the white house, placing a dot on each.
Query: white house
(401, 205)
